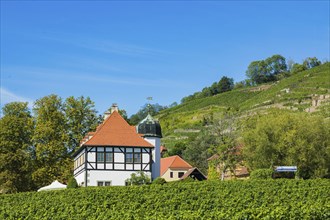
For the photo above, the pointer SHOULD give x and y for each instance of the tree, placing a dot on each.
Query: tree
(81, 118)
(276, 64)
(289, 64)
(263, 71)
(225, 84)
(178, 149)
(16, 152)
(257, 72)
(151, 109)
(51, 141)
(138, 178)
(292, 139)
(262, 174)
(200, 148)
(296, 68)
(227, 148)
(173, 104)
(311, 62)
(214, 88)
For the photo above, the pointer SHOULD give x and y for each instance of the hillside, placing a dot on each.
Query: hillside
(307, 91)
(206, 200)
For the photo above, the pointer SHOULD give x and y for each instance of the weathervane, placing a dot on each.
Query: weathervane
(149, 105)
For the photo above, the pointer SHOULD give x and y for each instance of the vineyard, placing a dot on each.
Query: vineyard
(274, 199)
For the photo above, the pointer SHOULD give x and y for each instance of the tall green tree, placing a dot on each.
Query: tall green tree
(311, 62)
(51, 141)
(225, 84)
(200, 148)
(81, 118)
(227, 147)
(276, 64)
(291, 139)
(257, 72)
(16, 151)
(263, 71)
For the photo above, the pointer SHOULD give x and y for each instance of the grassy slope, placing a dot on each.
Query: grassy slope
(302, 86)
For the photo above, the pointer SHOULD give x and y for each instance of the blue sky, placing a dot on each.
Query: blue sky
(124, 52)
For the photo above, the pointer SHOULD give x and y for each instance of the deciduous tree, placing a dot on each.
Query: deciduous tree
(51, 141)
(291, 139)
(81, 118)
(16, 151)
(311, 62)
(225, 84)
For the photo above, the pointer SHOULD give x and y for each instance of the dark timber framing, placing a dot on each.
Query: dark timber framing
(93, 165)
(85, 166)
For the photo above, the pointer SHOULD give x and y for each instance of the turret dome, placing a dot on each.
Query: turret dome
(149, 127)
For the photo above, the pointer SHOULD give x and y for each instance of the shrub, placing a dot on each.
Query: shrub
(138, 178)
(72, 183)
(261, 174)
(159, 180)
(188, 180)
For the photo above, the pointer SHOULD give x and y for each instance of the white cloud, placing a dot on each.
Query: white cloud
(8, 96)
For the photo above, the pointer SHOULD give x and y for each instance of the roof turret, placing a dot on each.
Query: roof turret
(149, 127)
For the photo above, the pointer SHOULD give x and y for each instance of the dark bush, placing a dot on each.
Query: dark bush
(72, 183)
(261, 174)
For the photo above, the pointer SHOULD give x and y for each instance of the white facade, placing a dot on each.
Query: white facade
(155, 156)
(95, 166)
(174, 174)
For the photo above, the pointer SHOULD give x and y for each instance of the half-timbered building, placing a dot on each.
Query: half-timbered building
(115, 150)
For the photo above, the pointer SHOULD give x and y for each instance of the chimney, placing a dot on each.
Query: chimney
(114, 107)
(106, 115)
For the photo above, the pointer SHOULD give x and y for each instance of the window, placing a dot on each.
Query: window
(137, 157)
(100, 157)
(108, 157)
(171, 174)
(103, 183)
(180, 174)
(129, 157)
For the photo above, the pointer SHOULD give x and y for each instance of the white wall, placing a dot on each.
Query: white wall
(167, 176)
(117, 178)
(155, 156)
(81, 179)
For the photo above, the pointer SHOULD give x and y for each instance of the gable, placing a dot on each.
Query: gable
(115, 131)
(174, 162)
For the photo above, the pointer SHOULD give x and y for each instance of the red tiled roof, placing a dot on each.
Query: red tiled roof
(162, 148)
(115, 131)
(173, 162)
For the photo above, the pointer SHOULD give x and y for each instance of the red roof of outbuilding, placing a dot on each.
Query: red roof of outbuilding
(162, 148)
(174, 162)
(115, 131)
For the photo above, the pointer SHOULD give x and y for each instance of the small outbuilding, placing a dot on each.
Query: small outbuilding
(195, 174)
